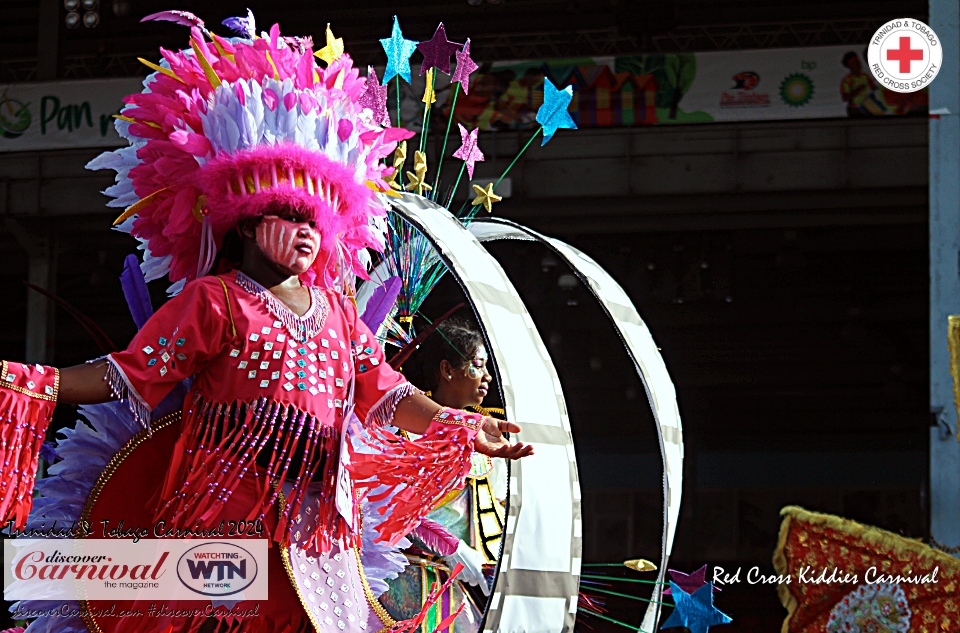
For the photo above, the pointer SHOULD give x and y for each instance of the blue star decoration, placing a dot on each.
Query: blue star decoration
(399, 51)
(553, 114)
(694, 611)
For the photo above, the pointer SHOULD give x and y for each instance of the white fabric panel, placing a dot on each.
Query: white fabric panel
(532, 614)
(537, 387)
(545, 527)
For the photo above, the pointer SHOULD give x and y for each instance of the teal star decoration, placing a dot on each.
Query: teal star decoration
(694, 611)
(553, 114)
(399, 51)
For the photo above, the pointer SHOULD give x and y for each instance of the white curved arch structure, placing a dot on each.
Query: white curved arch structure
(537, 584)
(646, 358)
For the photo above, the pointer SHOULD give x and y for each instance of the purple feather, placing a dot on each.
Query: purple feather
(244, 26)
(381, 302)
(135, 291)
(48, 452)
(436, 537)
(183, 18)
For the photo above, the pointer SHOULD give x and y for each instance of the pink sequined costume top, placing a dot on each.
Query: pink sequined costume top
(267, 383)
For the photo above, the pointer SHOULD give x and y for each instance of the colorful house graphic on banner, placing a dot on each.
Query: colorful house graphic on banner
(602, 98)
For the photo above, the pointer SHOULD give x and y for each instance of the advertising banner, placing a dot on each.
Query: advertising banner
(62, 114)
(654, 89)
(664, 89)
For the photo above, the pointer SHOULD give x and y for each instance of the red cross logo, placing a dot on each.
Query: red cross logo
(905, 55)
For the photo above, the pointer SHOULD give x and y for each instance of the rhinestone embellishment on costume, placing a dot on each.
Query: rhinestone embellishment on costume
(301, 328)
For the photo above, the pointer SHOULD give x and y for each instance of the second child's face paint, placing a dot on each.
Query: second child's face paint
(290, 244)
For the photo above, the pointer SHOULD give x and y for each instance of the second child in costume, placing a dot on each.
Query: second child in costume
(451, 364)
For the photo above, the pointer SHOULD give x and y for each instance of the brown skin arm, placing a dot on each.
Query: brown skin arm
(414, 413)
(84, 384)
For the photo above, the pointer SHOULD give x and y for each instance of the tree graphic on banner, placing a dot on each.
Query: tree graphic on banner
(674, 74)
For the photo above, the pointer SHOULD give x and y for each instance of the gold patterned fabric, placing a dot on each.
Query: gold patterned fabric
(838, 576)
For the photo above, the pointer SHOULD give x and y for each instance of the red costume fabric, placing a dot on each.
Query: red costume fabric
(269, 390)
(261, 436)
(28, 395)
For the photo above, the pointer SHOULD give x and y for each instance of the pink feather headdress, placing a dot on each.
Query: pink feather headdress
(228, 128)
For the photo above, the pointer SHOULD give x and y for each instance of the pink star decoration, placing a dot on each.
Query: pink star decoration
(375, 98)
(437, 51)
(689, 582)
(465, 67)
(468, 152)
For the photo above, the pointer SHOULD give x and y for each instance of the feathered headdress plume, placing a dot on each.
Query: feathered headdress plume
(227, 129)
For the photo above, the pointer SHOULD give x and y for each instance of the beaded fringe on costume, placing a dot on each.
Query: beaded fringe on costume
(121, 390)
(224, 443)
(381, 414)
(27, 400)
(414, 474)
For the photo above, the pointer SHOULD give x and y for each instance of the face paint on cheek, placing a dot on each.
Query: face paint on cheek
(278, 239)
(276, 242)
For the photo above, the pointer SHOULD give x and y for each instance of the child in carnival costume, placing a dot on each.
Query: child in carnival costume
(465, 527)
(250, 137)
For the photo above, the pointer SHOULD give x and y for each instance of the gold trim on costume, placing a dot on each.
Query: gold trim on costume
(233, 327)
(102, 481)
(450, 420)
(372, 600)
(39, 396)
(870, 536)
(288, 566)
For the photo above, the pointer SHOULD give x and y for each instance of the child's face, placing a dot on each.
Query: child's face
(289, 240)
(470, 384)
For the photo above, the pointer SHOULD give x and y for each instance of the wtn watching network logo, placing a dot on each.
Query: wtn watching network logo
(217, 569)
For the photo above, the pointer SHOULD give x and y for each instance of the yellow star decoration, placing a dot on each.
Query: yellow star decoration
(399, 158)
(419, 174)
(416, 183)
(485, 196)
(333, 50)
(429, 96)
(400, 155)
(420, 163)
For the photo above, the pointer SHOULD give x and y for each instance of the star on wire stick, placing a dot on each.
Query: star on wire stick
(418, 176)
(469, 152)
(399, 51)
(465, 67)
(399, 158)
(437, 51)
(695, 611)
(689, 582)
(333, 50)
(429, 95)
(375, 98)
(485, 196)
(553, 114)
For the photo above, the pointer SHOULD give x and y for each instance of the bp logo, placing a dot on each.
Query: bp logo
(796, 90)
(217, 569)
(14, 117)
